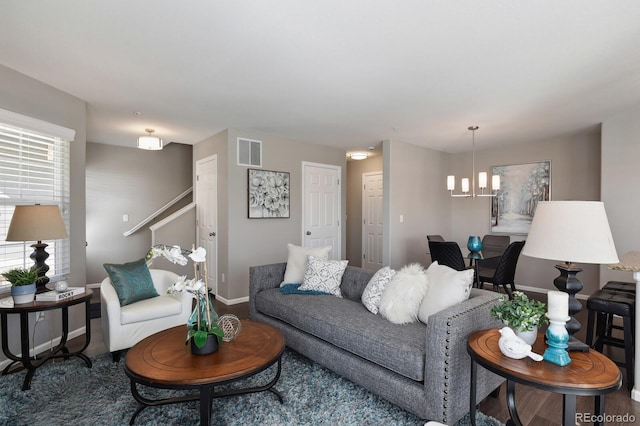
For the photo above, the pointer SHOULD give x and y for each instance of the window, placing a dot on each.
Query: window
(34, 169)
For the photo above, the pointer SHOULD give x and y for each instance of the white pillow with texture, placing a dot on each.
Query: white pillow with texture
(401, 298)
(324, 275)
(297, 262)
(446, 287)
(373, 291)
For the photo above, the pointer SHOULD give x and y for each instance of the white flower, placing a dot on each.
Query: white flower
(198, 255)
(174, 254)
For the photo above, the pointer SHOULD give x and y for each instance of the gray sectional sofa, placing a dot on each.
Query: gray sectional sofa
(424, 369)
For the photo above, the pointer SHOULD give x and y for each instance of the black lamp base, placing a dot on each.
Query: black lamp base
(569, 283)
(39, 256)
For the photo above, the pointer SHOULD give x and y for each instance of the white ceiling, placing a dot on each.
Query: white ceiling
(339, 72)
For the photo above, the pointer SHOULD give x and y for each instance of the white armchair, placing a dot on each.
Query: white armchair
(124, 326)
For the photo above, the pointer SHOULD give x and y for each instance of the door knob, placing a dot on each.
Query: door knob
(212, 234)
(308, 232)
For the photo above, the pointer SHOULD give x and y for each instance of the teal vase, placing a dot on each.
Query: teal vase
(474, 244)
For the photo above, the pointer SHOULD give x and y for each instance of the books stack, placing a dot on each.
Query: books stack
(55, 296)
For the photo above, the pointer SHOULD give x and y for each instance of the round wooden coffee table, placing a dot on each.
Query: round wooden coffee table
(589, 374)
(164, 361)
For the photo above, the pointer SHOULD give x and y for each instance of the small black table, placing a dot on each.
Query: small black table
(24, 309)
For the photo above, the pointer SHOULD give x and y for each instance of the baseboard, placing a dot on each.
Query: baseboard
(45, 346)
(232, 301)
(545, 290)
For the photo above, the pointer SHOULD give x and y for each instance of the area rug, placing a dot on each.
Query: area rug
(69, 393)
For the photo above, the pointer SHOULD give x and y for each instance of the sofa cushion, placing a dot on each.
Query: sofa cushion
(323, 275)
(354, 281)
(297, 262)
(150, 309)
(350, 326)
(400, 301)
(446, 287)
(132, 281)
(373, 291)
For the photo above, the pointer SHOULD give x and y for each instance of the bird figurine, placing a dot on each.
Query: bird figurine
(514, 347)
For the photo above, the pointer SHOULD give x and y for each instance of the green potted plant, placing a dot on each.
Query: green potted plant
(23, 284)
(522, 314)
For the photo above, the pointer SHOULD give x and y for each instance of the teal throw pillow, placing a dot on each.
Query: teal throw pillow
(132, 281)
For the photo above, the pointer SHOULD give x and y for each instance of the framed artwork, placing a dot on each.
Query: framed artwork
(522, 186)
(268, 194)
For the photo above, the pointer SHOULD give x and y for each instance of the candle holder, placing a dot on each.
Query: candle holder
(557, 339)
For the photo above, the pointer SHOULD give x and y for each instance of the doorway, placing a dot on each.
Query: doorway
(207, 215)
(321, 205)
(372, 226)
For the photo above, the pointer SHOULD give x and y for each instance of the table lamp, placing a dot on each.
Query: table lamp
(571, 231)
(37, 223)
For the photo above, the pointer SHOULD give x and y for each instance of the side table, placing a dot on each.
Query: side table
(589, 374)
(7, 307)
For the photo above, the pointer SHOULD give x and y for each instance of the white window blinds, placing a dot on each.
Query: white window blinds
(34, 169)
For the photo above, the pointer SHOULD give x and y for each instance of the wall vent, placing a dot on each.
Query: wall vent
(249, 152)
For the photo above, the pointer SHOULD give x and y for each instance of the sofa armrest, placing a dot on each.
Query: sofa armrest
(262, 278)
(448, 365)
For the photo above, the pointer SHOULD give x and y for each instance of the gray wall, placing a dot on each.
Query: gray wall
(620, 182)
(575, 175)
(413, 190)
(135, 182)
(355, 169)
(258, 241)
(24, 95)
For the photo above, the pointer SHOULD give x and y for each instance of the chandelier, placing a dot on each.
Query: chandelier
(482, 177)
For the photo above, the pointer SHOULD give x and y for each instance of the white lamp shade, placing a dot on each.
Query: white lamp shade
(482, 180)
(36, 223)
(495, 182)
(571, 231)
(465, 185)
(151, 143)
(451, 183)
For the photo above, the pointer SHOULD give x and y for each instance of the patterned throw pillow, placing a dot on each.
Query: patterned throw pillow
(132, 281)
(324, 275)
(373, 291)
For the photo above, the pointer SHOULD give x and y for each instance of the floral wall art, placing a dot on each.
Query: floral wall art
(268, 194)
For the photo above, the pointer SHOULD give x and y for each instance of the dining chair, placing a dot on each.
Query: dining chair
(447, 253)
(505, 270)
(435, 238)
(493, 246)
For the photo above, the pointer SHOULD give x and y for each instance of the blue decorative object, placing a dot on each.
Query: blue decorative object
(557, 338)
(474, 244)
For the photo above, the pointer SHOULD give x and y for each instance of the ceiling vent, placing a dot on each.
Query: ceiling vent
(249, 152)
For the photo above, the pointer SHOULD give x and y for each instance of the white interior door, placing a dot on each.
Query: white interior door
(372, 228)
(207, 214)
(321, 207)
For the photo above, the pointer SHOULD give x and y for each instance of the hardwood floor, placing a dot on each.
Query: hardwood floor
(536, 407)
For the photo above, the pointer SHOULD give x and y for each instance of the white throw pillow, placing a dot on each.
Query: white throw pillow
(373, 291)
(324, 275)
(401, 298)
(446, 287)
(297, 262)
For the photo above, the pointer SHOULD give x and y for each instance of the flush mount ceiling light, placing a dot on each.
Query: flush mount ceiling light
(150, 142)
(358, 155)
